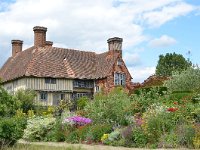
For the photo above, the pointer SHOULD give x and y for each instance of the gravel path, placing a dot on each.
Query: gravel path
(84, 146)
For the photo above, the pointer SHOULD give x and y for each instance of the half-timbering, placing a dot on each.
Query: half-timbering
(59, 73)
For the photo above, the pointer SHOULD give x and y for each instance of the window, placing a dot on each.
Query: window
(119, 62)
(62, 96)
(83, 84)
(79, 95)
(97, 88)
(119, 79)
(43, 96)
(50, 80)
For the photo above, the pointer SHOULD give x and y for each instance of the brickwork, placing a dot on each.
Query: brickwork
(39, 36)
(16, 46)
(107, 84)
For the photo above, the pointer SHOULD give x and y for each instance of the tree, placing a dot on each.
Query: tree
(187, 80)
(171, 62)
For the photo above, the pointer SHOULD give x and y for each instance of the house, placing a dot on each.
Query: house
(61, 73)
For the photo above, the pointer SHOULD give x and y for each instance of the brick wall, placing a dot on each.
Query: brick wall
(107, 84)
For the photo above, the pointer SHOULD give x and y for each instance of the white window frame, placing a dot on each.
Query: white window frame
(119, 79)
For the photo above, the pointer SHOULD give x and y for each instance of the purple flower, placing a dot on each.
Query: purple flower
(78, 120)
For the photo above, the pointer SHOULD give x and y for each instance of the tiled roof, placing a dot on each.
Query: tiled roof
(58, 63)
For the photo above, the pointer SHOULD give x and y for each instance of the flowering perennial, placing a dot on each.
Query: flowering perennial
(171, 109)
(77, 120)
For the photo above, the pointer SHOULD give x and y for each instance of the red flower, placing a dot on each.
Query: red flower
(175, 103)
(172, 109)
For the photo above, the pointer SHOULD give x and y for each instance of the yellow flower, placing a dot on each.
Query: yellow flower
(104, 137)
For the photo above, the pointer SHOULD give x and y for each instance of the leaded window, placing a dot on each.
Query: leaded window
(119, 79)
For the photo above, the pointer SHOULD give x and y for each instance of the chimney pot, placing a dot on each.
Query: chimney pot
(39, 36)
(16, 46)
(115, 45)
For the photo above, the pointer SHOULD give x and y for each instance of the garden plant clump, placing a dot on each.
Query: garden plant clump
(147, 118)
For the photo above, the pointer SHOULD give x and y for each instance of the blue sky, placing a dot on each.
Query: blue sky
(149, 28)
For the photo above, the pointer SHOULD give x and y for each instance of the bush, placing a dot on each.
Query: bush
(82, 102)
(11, 129)
(139, 138)
(38, 127)
(73, 137)
(8, 105)
(157, 121)
(58, 133)
(187, 80)
(97, 131)
(26, 99)
(144, 98)
(110, 108)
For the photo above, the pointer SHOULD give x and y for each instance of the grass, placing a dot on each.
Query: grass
(41, 147)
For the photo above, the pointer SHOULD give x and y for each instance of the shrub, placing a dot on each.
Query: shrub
(38, 127)
(8, 105)
(168, 140)
(82, 102)
(139, 138)
(110, 108)
(187, 80)
(73, 137)
(157, 121)
(58, 133)
(145, 98)
(185, 134)
(96, 132)
(26, 99)
(11, 129)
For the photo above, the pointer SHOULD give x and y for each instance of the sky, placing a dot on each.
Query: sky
(148, 28)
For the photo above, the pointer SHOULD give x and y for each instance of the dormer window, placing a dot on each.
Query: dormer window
(119, 62)
(50, 80)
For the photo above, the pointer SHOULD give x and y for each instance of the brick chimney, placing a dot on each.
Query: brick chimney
(49, 43)
(16, 46)
(115, 45)
(39, 36)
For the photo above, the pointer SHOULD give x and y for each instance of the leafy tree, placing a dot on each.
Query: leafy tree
(171, 62)
(187, 80)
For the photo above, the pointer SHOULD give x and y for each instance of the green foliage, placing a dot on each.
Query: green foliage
(157, 121)
(57, 133)
(72, 137)
(139, 137)
(38, 127)
(8, 105)
(144, 98)
(11, 129)
(82, 102)
(185, 134)
(26, 99)
(171, 62)
(109, 108)
(168, 140)
(187, 80)
(97, 131)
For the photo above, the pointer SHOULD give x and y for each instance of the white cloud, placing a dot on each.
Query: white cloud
(141, 73)
(87, 24)
(159, 17)
(132, 59)
(163, 41)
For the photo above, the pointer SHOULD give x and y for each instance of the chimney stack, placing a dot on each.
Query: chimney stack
(49, 43)
(39, 36)
(115, 45)
(16, 46)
